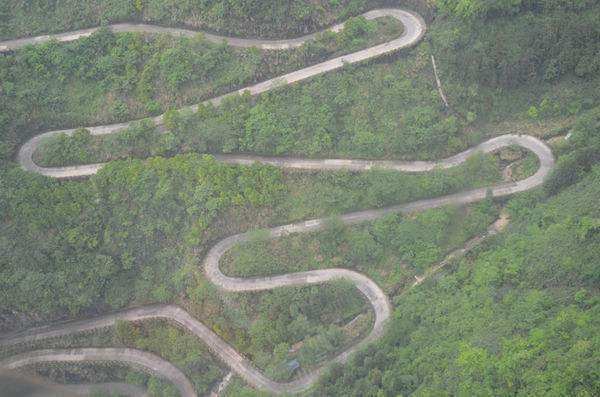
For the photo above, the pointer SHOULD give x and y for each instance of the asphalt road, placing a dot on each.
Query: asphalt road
(414, 30)
(137, 358)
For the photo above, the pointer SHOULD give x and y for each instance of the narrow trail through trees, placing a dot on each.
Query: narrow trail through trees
(414, 28)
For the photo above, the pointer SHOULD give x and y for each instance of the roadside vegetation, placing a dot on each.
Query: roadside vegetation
(172, 344)
(87, 239)
(112, 77)
(518, 315)
(272, 328)
(253, 18)
(390, 251)
(391, 109)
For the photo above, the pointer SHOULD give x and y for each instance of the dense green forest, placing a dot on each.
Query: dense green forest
(257, 18)
(391, 109)
(117, 77)
(74, 245)
(518, 315)
(158, 337)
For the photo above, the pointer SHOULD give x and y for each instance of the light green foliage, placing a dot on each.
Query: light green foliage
(355, 32)
(388, 250)
(533, 113)
(63, 247)
(139, 5)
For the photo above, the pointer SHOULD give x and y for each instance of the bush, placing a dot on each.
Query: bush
(583, 154)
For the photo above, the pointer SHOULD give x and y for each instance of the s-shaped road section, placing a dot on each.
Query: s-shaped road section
(414, 29)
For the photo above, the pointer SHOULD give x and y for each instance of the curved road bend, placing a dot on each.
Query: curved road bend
(414, 29)
(147, 361)
(372, 292)
(10, 45)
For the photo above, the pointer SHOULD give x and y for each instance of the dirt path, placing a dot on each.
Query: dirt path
(414, 29)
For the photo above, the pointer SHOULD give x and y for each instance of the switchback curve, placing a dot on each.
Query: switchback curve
(414, 29)
(148, 361)
(14, 44)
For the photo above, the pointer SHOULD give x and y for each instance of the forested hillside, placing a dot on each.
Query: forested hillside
(514, 313)
(235, 17)
(119, 77)
(518, 316)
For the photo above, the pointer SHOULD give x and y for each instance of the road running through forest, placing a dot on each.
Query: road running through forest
(414, 29)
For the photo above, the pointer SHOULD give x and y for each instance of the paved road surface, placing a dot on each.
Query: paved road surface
(138, 358)
(414, 30)
(10, 45)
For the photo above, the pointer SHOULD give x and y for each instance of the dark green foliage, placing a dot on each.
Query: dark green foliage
(248, 17)
(537, 43)
(74, 245)
(313, 316)
(472, 9)
(115, 77)
(518, 318)
(181, 349)
(96, 372)
(583, 153)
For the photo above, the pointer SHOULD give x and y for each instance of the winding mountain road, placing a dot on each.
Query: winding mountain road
(414, 30)
(138, 358)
